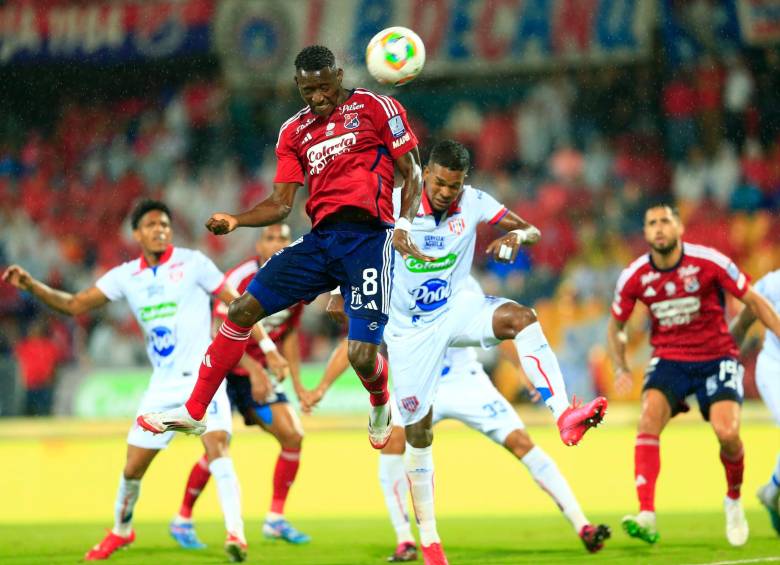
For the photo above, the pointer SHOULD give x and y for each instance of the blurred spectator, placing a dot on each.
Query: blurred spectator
(689, 183)
(38, 357)
(737, 95)
(680, 107)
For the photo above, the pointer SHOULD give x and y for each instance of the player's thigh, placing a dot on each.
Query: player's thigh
(475, 313)
(297, 272)
(478, 404)
(416, 359)
(285, 425)
(768, 383)
(666, 385)
(366, 269)
(719, 379)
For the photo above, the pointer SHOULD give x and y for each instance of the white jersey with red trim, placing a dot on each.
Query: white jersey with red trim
(421, 291)
(171, 303)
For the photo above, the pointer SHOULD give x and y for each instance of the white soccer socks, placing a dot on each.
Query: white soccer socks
(546, 474)
(126, 497)
(229, 494)
(541, 366)
(392, 479)
(419, 470)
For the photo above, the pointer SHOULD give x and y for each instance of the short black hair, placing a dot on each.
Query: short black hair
(147, 205)
(664, 204)
(450, 154)
(314, 58)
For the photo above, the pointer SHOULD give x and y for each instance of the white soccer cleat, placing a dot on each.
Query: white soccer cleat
(175, 420)
(380, 425)
(736, 524)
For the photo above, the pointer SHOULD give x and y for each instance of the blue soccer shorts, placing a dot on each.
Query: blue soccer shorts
(710, 381)
(354, 256)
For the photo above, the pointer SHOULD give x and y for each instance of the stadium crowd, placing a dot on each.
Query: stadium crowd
(579, 154)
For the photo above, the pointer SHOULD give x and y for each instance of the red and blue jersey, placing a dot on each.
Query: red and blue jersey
(348, 157)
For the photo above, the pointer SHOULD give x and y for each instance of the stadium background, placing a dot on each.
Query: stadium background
(578, 114)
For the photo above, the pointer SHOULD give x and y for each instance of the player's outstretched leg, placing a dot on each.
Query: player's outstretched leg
(286, 428)
(519, 323)
(221, 356)
(371, 368)
(395, 488)
(547, 475)
(724, 417)
(122, 534)
(181, 527)
(229, 493)
(769, 496)
(418, 461)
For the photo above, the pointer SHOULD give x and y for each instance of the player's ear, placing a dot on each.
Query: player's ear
(339, 76)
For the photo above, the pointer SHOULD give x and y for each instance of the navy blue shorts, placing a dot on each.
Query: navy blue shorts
(239, 390)
(710, 381)
(356, 257)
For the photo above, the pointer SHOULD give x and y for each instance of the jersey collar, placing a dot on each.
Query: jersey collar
(165, 256)
(428, 209)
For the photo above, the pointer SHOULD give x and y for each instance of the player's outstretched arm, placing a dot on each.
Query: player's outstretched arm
(616, 345)
(273, 209)
(761, 309)
(520, 232)
(258, 378)
(740, 325)
(409, 166)
(337, 366)
(291, 351)
(65, 302)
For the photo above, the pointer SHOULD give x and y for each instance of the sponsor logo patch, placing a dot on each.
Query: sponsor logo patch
(157, 311)
(433, 242)
(396, 125)
(431, 294)
(442, 263)
(670, 288)
(320, 154)
(353, 107)
(162, 341)
(399, 142)
(647, 278)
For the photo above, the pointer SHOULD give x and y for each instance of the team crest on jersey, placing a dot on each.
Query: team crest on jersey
(351, 121)
(410, 403)
(176, 276)
(691, 284)
(457, 225)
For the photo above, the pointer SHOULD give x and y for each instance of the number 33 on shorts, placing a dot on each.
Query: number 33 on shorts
(729, 375)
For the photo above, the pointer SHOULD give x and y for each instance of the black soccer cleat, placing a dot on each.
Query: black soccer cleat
(594, 536)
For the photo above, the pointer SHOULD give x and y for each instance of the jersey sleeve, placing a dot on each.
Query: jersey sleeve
(288, 165)
(625, 297)
(490, 209)
(393, 127)
(209, 277)
(729, 277)
(110, 284)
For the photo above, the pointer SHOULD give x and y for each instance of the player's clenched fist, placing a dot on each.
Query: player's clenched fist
(404, 244)
(18, 277)
(221, 223)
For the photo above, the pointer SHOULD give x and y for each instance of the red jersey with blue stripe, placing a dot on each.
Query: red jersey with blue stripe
(686, 302)
(347, 157)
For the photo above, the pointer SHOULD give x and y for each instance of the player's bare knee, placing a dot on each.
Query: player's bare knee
(362, 357)
(133, 472)
(216, 445)
(397, 443)
(511, 318)
(291, 440)
(728, 434)
(245, 310)
(419, 436)
(519, 443)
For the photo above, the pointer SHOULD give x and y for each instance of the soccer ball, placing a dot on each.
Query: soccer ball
(395, 55)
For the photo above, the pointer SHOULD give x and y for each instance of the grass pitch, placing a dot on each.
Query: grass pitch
(686, 539)
(58, 482)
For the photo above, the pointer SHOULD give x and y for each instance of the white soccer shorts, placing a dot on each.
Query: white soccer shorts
(416, 355)
(219, 416)
(768, 382)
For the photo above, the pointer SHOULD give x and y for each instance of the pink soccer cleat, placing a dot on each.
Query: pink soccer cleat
(109, 545)
(404, 552)
(434, 555)
(578, 419)
(594, 536)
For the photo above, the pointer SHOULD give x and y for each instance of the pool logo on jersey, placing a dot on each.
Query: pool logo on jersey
(162, 341)
(431, 294)
(351, 121)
